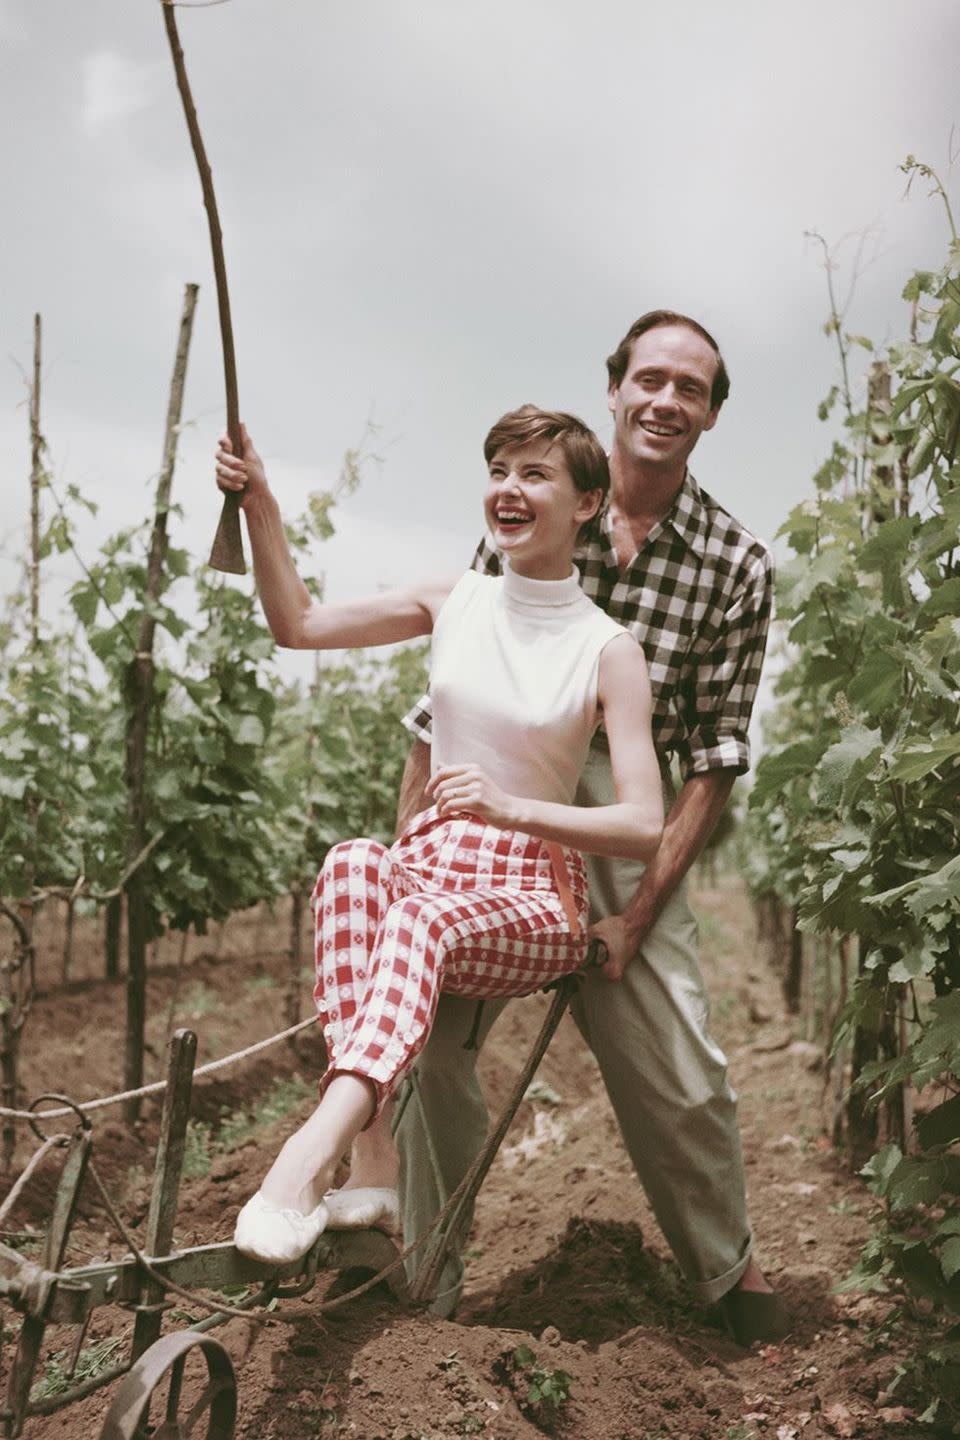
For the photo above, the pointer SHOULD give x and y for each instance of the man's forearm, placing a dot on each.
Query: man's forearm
(416, 773)
(688, 827)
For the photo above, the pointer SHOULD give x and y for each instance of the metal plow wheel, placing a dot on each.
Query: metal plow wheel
(185, 1407)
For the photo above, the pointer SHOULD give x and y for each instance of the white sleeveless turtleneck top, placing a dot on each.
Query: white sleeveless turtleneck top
(513, 680)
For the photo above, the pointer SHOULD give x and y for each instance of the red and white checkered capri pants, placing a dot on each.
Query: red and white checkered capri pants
(454, 904)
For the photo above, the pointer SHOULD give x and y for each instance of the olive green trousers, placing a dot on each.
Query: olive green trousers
(665, 1076)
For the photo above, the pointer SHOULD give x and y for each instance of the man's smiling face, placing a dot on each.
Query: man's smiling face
(662, 405)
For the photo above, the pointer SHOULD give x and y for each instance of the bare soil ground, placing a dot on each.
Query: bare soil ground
(565, 1258)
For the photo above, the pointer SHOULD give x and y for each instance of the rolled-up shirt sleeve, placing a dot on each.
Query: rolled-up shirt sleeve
(723, 676)
(419, 720)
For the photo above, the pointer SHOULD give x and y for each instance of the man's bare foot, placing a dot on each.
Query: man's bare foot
(754, 1280)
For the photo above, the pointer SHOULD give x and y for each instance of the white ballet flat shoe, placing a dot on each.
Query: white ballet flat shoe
(276, 1235)
(362, 1207)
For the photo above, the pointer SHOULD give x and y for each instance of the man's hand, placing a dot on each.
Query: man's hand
(689, 824)
(466, 787)
(620, 941)
(244, 476)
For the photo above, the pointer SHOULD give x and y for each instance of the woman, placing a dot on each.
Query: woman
(484, 894)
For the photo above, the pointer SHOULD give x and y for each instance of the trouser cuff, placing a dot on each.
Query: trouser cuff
(708, 1292)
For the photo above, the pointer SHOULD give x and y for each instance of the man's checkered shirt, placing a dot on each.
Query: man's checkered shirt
(698, 597)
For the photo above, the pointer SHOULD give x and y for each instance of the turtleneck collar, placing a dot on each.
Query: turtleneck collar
(525, 591)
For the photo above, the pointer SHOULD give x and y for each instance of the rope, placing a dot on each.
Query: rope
(158, 1086)
(17, 1189)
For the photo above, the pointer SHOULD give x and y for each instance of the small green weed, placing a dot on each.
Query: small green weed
(135, 1179)
(547, 1390)
(727, 1004)
(233, 1294)
(260, 982)
(713, 935)
(196, 1152)
(199, 1000)
(91, 1362)
(25, 1242)
(283, 1096)
(844, 1206)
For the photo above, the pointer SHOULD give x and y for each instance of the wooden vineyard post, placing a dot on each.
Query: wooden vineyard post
(69, 930)
(862, 1120)
(838, 1061)
(36, 484)
(893, 1041)
(139, 695)
(111, 938)
(16, 994)
(793, 974)
(162, 1215)
(17, 969)
(904, 1095)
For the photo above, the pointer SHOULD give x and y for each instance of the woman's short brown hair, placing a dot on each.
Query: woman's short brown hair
(582, 451)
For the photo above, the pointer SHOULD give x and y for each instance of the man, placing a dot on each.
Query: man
(695, 588)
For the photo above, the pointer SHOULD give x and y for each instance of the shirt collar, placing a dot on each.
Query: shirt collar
(687, 517)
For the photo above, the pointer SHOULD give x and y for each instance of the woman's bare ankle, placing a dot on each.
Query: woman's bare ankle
(290, 1184)
(374, 1159)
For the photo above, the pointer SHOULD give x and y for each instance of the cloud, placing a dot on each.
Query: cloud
(113, 89)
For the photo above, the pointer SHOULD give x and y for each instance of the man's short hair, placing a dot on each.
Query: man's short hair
(617, 362)
(582, 451)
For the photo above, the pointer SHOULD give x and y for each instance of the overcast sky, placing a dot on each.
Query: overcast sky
(434, 211)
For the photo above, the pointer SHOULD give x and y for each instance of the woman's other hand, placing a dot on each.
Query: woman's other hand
(243, 475)
(468, 788)
(620, 944)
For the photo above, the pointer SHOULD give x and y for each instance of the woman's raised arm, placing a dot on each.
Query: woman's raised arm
(296, 620)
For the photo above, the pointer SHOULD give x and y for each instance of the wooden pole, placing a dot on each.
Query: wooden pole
(139, 696)
(227, 551)
(36, 485)
(793, 975)
(36, 481)
(861, 1119)
(114, 917)
(17, 972)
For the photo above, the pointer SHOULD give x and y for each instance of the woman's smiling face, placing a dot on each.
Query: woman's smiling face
(533, 509)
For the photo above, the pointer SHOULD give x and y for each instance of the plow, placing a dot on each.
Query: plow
(182, 1383)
